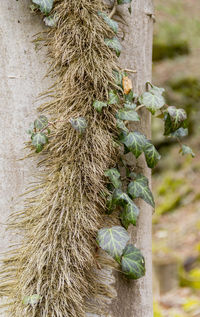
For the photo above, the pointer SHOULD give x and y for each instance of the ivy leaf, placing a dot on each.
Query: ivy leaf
(98, 105)
(129, 215)
(152, 101)
(174, 119)
(121, 126)
(180, 133)
(113, 98)
(113, 241)
(151, 154)
(129, 97)
(186, 150)
(113, 24)
(31, 300)
(139, 188)
(120, 198)
(30, 129)
(130, 106)
(127, 114)
(79, 124)
(133, 263)
(135, 142)
(124, 1)
(39, 140)
(41, 122)
(156, 90)
(44, 5)
(114, 44)
(118, 76)
(114, 176)
(51, 20)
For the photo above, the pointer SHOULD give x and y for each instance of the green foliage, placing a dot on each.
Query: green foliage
(127, 114)
(121, 126)
(39, 140)
(134, 142)
(139, 188)
(114, 44)
(98, 105)
(113, 24)
(32, 300)
(51, 20)
(79, 124)
(114, 177)
(186, 150)
(113, 241)
(153, 99)
(45, 6)
(113, 97)
(40, 122)
(129, 215)
(133, 263)
(124, 1)
(174, 119)
(151, 154)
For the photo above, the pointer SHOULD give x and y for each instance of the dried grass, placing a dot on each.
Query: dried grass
(57, 256)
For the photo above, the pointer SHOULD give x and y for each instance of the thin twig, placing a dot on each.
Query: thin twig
(130, 70)
(114, 9)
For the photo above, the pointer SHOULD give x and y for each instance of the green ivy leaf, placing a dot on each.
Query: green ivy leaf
(31, 300)
(112, 24)
(113, 98)
(127, 114)
(114, 176)
(152, 101)
(139, 188)
(135, 142)
(114, 44)
(51, 20)
(156, 90)
(151, 154)
(30, 129)
(118, 76)
(133, 263)
(124, 1)
(113, 241)
(41, 122)
(180, 133)
(129, 215)
(79, 124)
(130, 106)
(121, 126)
(186, 150)
(44, 5)
(120, 198)
(39, 140)
(174, 119)
(98, 105)
(129, 97)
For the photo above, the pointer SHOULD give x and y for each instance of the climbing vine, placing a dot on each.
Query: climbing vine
(80, 137)
(114, 240)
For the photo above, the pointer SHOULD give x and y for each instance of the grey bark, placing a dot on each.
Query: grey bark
(21, 70)
(135, 297)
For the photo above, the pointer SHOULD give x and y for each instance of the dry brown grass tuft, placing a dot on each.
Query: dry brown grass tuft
(57, 255)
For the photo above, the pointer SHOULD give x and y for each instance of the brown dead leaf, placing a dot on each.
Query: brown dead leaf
(127, 85)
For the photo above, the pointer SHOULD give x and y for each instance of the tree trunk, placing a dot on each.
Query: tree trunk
(135, 297)
(22, 70)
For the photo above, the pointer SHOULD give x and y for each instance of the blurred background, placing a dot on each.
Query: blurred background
(176, 180)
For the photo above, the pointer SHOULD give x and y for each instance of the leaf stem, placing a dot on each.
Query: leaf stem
(139, 107)
(114, 9)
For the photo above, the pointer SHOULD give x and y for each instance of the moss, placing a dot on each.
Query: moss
(169, 50)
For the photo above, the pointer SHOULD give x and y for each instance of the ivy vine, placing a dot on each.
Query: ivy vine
(115, 240)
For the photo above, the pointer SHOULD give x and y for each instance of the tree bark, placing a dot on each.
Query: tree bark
(21, 71)
(135, 297)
